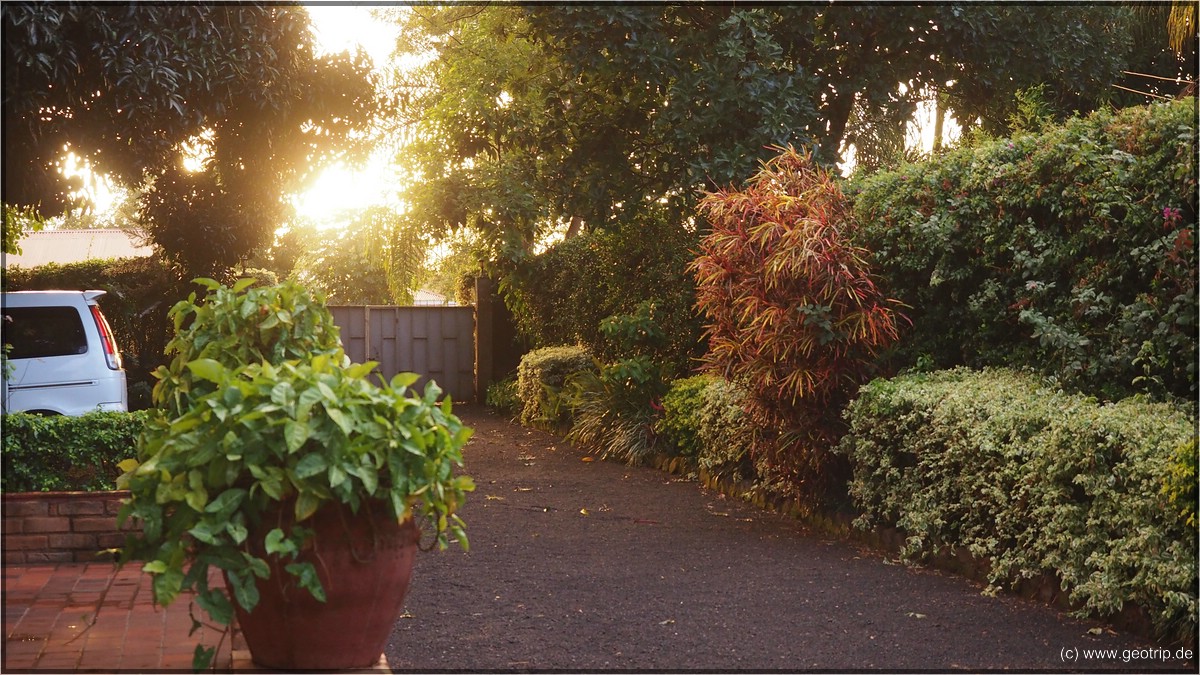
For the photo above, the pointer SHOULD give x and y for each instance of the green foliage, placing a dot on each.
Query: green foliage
(136, 88)
(1181, 483)
(612, 412)
(502, 396)
(67, 454)
(703, 417)
(792, 311)
(541, 376)
(725, 432)
(18, 221)
(531, 117)
(613, 408)
(140, 291)
(239, 326)
(678, 425)
(1004, 466)
(1071, 251)
(262, 411)
(562, 295)
(349, 266)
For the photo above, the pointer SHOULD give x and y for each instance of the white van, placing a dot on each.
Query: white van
(63, 358)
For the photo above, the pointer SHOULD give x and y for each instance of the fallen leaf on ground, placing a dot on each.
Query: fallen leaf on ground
(587, 459)
(584, 512)
(490, 497)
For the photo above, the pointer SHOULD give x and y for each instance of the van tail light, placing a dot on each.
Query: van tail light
(106, 337)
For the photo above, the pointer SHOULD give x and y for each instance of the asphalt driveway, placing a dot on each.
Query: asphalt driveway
(596, 566)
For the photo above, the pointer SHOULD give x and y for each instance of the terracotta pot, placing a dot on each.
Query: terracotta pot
(364, 561)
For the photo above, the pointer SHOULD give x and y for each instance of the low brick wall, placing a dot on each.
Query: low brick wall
(42, 527)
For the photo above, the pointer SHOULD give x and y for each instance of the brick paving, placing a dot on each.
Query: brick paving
(91, 616)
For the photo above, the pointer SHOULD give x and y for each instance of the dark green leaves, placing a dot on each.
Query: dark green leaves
(262, 407)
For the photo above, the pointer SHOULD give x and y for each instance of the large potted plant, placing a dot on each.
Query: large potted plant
(278, 462)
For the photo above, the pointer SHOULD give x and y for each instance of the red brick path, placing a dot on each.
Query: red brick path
(90, 616)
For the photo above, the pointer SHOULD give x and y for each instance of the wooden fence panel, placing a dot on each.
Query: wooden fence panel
(435, 342)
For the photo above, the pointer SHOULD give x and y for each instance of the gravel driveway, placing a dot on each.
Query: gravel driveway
(597, 566)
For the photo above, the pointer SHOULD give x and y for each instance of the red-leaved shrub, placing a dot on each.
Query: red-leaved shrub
(792, 313)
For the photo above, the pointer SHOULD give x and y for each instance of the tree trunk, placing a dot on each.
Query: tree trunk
(939, 122)
(836, 116)
(575, 227)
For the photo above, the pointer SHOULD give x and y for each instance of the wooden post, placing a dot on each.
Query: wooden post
(485, 298)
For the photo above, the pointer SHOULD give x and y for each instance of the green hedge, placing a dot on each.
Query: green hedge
(1035, 480)
(540, 380)
(703, 417)
(1070, 251)
(65, 454)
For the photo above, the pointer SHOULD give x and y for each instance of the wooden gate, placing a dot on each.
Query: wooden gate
(435, 342)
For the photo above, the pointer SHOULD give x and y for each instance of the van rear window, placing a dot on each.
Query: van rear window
(37, 332)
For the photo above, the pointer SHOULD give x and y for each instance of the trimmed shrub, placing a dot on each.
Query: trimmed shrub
(67, 454)
(540, 380)
(1070, 251)
(1013, 470)
(724, 431)
(703, 417)
(678, 427)
(792, 312)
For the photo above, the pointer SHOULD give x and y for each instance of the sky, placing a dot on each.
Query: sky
(341, 188)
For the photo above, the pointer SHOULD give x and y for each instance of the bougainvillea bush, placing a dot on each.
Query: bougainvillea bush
(791, 311)
(1011, 469)
(1071, 251)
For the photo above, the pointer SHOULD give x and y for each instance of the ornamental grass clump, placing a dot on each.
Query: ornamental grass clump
(792, 312)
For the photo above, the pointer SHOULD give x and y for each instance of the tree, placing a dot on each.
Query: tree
(533, 118)
(359, 264)
(132, 88)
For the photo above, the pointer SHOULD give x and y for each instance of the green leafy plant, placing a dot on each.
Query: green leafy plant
(1009, 468)
(562, 295)
(541, 377)
(725, 432)
(240, 325)
(1070, 251)
(678, 425)
(792, 312)
(502, 396)
(1180, 486)
(261, 412)
(614, 407)
(703, 418)
(67, 454)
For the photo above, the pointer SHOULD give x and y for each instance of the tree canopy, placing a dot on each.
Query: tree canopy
(134, 88)
(533, 118)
